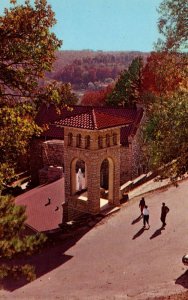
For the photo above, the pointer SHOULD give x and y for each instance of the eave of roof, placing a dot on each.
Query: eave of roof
(89, 118)
(93, 120)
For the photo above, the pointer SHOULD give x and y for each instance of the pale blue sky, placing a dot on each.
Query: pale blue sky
(105, 24)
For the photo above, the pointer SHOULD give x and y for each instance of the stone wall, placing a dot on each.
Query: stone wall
(36, 160)
(138, 165)
(131, 158)
(125, 164)
(44, 154)
(93, 158)
(50, 174)
(53, 153)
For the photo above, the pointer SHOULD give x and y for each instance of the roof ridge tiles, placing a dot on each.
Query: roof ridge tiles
(94, 118)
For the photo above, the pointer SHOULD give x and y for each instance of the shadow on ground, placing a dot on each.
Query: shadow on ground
(183, 280)
(138, 233)
(157, 233)
(136, 220)
(50, 257)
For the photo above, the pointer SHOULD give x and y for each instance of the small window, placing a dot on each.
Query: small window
(87, 142)
(126, 142)
(78, 140)
(115, 138)
(70, 139)
(100, 142)
(107, 140)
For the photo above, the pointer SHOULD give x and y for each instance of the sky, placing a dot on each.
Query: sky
(108, 25)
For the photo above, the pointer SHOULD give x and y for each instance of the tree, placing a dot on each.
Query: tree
(97, 97)
(172, 25)
(27, 51)
(128, 88)
(14, 241)
(166, 135)
(165, 86)
(163, 74)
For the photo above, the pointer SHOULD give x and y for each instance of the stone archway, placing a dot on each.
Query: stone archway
(107, 177)
(78, 176)
(104, 174)
(92, 154)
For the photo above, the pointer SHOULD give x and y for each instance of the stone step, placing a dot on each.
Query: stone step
(110, 210)
(139, 180)
(126, 186)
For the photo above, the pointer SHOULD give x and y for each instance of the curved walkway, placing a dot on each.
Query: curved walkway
(117, 259)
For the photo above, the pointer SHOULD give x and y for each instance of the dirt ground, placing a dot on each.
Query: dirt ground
(116, 259)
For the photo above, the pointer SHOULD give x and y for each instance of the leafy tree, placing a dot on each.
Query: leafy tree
(13, 240)
(163, 74)
(166, 135)
(128, 88)
(55, 93)
(97, 97)
(27, 51)
(165, 89)
(173, 25)
(17, 127)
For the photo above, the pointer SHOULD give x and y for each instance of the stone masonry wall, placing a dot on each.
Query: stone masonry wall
(50, 174)
(53, 153)
(93, 158)
(36, 160)
(138, 165)
(44, 154)
(131, 158)
(125, 164)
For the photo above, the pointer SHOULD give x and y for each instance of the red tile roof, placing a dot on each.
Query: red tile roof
(93, 120)
(88, 117)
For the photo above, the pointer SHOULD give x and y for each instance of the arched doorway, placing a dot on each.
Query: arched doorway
(80, 169)
(107, 179)
(78, 176)
(104, 174)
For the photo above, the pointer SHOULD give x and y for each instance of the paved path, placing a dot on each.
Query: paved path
(42, 216)
(117, 259)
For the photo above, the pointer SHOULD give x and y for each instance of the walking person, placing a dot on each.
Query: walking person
(164, 211)
(142, 205)
(146, 217)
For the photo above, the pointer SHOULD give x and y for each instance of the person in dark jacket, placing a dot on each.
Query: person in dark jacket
(164, 211)
(142, 205)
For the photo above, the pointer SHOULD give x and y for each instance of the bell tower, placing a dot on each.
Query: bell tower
(92, 147)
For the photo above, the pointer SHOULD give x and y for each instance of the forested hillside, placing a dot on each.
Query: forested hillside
(87, 66)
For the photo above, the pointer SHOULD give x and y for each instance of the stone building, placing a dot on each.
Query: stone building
(97, 150)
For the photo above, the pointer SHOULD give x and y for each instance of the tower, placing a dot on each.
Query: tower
(90, 139)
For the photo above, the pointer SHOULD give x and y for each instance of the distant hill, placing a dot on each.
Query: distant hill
(87, 66)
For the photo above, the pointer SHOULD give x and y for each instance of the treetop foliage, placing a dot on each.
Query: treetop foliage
(13, 241)
(166, 135)
(81, 67)
(97, 98)
(27, 49)
(27, 52)
(173, 25)
(128, 88)
(166, 89)
(164, 73)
